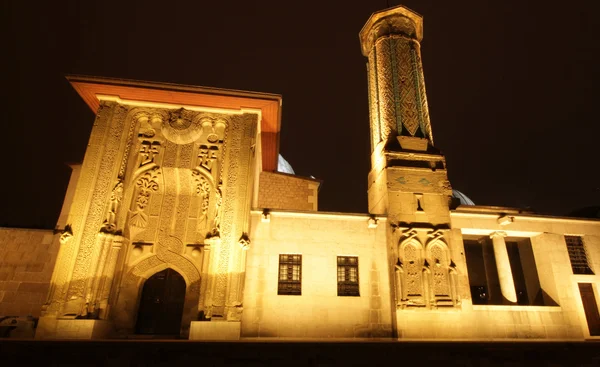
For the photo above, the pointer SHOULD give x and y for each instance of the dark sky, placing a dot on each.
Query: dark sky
(513, 88)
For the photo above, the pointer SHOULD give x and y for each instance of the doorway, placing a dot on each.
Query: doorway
(161, 304)
(590, 307)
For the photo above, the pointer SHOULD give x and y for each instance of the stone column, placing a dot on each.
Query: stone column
(507, 285)
(491, 274)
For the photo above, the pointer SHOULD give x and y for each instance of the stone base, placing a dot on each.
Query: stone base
(413, 143)
(215, 330)
(51, 328)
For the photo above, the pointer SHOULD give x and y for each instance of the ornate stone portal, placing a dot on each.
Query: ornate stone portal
(162, 186)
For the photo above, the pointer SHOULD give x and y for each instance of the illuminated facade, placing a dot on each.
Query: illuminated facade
(178, 223)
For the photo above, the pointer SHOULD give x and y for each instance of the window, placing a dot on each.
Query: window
(290, 275)
(578, 256)
(347, 276)
(590, 307)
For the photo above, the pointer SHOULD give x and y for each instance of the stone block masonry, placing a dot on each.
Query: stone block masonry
(27, 258)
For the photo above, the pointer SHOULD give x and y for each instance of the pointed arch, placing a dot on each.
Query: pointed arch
(133, 282)
(442, 276)
(410, 268)
(161, 304)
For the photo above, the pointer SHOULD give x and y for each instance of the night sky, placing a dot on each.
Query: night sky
(513, 89)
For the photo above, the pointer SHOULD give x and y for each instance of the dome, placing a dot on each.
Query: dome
(464, 199)
(284, 166)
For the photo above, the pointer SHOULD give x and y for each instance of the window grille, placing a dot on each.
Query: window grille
(347, 276)
(578, 255)
(290, 275)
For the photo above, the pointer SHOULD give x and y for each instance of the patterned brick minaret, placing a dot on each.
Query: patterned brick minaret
(408, 180)
(408, 175)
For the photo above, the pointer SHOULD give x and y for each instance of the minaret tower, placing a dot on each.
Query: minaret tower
(408, 180)
(408, 175)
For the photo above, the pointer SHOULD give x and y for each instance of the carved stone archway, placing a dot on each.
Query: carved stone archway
(442, 274)
(161, 304)
(410, 278)
(132, 285)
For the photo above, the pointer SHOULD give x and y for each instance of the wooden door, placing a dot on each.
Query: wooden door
(161, 304)
(590, 307)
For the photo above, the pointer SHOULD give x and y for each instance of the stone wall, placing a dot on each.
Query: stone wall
(564, 321)
(318, 312)
(284, 191)
(27, 258)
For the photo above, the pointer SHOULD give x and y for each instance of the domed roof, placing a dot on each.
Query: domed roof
(284, 166)
(464, 199)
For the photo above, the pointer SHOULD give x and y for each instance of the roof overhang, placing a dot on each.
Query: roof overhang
(92, 88)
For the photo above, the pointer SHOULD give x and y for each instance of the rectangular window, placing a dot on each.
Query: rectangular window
(578, 256)
(290, 275)
(347, 276)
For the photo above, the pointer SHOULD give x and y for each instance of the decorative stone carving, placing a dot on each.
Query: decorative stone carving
(91, 168)
(442, 286)
(66, 234)
(207, 156)
(385, 96)
(420, 89)
(266, 216)
(180, 119)
(232, 214)
(396, 85)
(397, 20)
(125, 158)
(202, 188)
(425, 277)
(146, 185)
(410, 270)
(244, 241)
(148, 151)
(110, 223)
(374, 102)
(146, 130)
(216, 230)
(174, 168)
(235, 312)
(372, 222)
(406, 93)
(96, 183)
(414, 264)
(182, 126)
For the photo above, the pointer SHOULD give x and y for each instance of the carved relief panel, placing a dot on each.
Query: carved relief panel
(187, 163)
(442, 272)
(158, 188)
(178, 156)
(425, 275)
(410, 272)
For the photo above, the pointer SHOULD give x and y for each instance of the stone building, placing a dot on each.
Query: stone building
(179, 223)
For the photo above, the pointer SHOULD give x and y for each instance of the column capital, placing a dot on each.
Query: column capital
(499, 234)
(398, 20)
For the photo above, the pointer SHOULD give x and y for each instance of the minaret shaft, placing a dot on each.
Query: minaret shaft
(397, 89)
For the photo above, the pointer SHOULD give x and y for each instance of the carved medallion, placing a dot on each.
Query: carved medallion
(182, 127)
